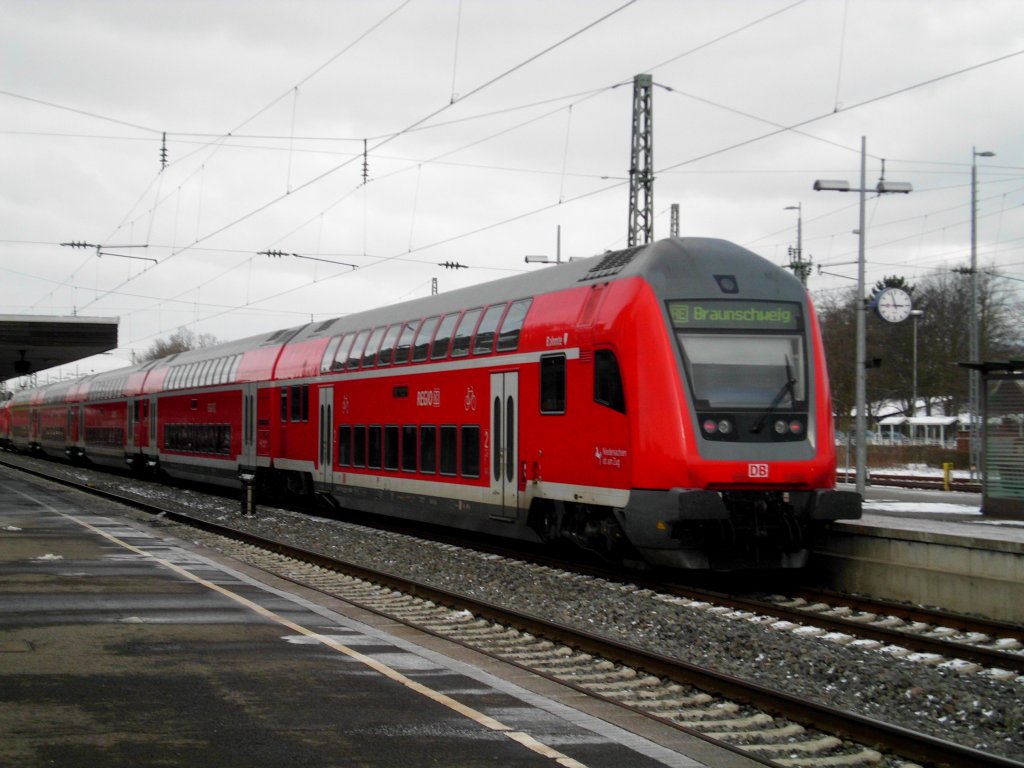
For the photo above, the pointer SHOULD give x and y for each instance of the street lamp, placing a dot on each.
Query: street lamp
(797, 264)
(915, 314)
(860, 363)
(975, 352)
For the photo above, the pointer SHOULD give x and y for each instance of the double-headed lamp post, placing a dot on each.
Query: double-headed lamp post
(860, 363)
(916, 315)
(975, 346)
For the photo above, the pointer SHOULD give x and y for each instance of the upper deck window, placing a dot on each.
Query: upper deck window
(387, 346)
(508, 336)
(370, 354)
(328, 359)
(403, 349)
(464, 333)
(442, 340)
(483, 343)
(355, 355)
(341, 356)
(422, 345)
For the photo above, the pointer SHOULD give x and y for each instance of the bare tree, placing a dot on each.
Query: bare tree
(181, 340)
(942, 341)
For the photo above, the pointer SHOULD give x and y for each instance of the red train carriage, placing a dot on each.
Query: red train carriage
(5, 422)
(670, 400)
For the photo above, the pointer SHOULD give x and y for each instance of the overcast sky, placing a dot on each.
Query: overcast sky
(488, 124)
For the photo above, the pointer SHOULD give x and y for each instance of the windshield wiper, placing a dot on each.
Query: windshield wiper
(787, 387)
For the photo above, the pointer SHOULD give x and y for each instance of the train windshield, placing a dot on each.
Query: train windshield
(728, 371)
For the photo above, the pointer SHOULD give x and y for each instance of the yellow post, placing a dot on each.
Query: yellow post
(947, 474)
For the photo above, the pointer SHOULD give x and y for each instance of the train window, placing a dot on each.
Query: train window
(345, 446)
(470, 439)
(449, 450)
(608, 381)
(422, 344)
(409, 448)
(745, 371)
(236, 363)
(218, 370)
(355, 355)
(328, 359)
(341, 356)
(359, 446)
(483, 344)
(295, 395)
(428, 449)
(373, 442)
(443, 337)
(404, 346)
(370, 353)
(391, 447)
(207, 373)
(387, 347)
(552, 384)
(464, 333)
(508, 336)
(284, 404)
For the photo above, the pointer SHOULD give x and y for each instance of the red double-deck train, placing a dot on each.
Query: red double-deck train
(670, 400)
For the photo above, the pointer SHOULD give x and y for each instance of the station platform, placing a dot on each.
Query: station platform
(122, 646)
(931, 548)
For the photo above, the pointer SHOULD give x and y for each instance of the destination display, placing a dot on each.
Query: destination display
(734, 315)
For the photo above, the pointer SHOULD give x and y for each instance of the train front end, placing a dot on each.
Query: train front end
(748, 458)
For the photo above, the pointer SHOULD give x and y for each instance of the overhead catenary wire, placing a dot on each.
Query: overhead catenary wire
(425, 127)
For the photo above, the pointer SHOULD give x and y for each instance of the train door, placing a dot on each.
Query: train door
(325, 454)
(154, 445)
(248, 456)
(140, 408)
(505, 444)
(133, 425)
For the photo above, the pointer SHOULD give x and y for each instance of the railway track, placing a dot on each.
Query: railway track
(968, 644)
(897, 480)
(770, 726)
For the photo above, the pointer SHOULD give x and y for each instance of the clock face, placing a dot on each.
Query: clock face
(893, 305)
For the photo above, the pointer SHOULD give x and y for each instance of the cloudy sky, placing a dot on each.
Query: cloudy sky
(487, 125)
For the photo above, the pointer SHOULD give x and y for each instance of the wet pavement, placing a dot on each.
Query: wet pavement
(121, 646)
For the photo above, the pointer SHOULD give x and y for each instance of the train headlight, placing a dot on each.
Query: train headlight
(725, 426)
(781, 427)
(796, 427)
(710, 426)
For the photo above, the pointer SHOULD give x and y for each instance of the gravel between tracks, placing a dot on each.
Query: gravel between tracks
(974, 710)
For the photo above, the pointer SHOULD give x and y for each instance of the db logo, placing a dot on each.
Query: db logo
(757, 470)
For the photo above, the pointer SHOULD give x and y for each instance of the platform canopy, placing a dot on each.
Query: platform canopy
(32, 343)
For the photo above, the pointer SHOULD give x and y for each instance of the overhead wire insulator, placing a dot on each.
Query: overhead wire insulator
(452, 265)
(163, 152)
(275, 254)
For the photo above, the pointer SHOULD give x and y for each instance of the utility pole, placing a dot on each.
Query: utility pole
(641, 165)
(974, 338)
(800, 267)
